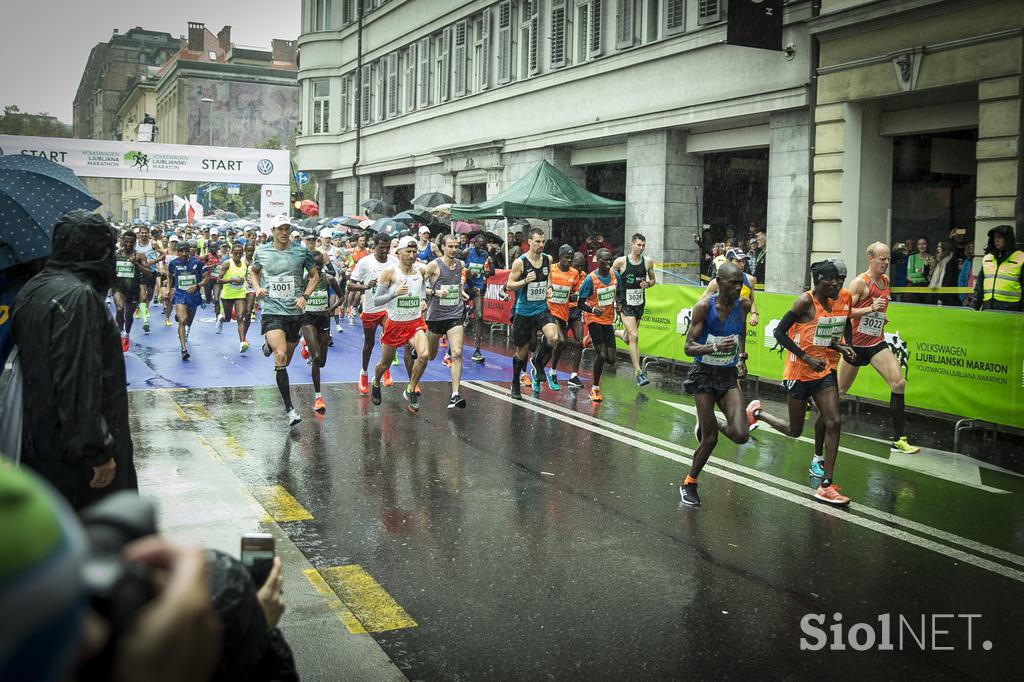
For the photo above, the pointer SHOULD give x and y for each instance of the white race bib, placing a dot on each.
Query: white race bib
(606, 296)
(125, 269)
(537, 291)
(560, 293)
(317, 301)
(407, 302)
(186, 281)
(634, 296)
(475, 269)
(448, 294)
(281, 287)
(720, 358)
(872, 324)
(827, 329)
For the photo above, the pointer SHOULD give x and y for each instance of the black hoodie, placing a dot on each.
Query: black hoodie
(76, 401)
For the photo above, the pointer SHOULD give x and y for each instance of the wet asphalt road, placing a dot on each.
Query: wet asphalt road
(545, 539)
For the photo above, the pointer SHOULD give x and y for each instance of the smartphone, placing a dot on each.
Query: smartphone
(258, 556)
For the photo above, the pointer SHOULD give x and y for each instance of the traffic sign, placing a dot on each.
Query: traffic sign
(301, 178)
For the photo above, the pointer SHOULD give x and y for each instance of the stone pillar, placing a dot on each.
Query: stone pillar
(664, 192)
(998, 157)
(787, 202)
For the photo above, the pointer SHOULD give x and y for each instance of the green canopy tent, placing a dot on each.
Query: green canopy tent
(545, 192)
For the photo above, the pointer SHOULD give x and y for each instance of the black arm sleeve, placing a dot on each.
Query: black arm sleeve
(848, 333)
(979, 290)
(782, 334)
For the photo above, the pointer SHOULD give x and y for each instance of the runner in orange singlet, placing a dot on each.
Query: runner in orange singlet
(870, 299)
(811, 331)
(599, 301)
(562, 293)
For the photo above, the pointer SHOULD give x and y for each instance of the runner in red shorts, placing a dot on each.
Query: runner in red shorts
(363, 279)
(400, 291)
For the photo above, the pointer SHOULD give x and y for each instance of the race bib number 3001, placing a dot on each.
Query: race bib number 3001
(281, 287)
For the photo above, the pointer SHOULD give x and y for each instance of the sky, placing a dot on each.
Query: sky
(44, 44)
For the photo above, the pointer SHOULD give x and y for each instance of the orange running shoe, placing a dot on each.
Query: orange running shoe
(318, 405)
(304, 352)
(125, 344)
(525, 380)
(364, 384)
(386, 380)
(831, 495)
(595, 395)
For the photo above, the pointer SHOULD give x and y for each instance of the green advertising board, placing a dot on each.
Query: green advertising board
(955, 360)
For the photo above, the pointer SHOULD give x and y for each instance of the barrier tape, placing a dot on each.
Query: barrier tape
(692, 264)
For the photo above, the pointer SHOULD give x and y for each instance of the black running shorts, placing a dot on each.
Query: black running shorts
(602, 334)
(804, 390)
(319, 321)
(705, 378)
(636, 311)
(289, 324)
(524, 328)
(442, 327)
(865, 353)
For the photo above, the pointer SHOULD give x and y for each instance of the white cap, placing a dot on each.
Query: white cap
(279, 220)
(407, 241)
(213, 230)
(326, 232)
(424, 228)
(295, 233)
(174, 238)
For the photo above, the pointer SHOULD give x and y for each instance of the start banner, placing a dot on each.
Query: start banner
(153, 161)
(497, 302)
(955, 360)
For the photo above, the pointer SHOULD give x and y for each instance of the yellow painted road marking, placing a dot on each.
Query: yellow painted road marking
(181, 413)
(280, 504)
(370, 603)
(335, 604)
(198, 411)
(208, 446)
(234, 447)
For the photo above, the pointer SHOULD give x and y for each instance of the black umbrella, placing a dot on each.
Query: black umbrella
(432, 199)
(423, 217)
(375, 206)
(491, 237)
(386, 225)
(34, 193)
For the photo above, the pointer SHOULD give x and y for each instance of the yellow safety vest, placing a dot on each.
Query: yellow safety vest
(1002, 281)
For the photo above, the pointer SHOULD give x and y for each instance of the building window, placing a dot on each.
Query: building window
(504, 42)
(348, 11)
(588, 29)
(321, 15)
(344, 123)
(594, 29)
(528, 46)
(558, 21)
(459, 33)
(482, 52)
(625, 24)
(365, 94)
(423, 74)
(321, 105)
(709, 11)
(443, 64)
(410, 78)
(380, 86)
(392, 83)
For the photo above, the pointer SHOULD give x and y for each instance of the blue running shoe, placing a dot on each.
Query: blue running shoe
(816, 468)
(553, 381)
(534, 378)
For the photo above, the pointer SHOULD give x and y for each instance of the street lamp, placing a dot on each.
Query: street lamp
(209, 122)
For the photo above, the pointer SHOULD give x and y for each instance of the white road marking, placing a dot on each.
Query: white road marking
(773, 485)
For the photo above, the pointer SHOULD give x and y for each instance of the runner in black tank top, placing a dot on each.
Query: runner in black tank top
(636, 276)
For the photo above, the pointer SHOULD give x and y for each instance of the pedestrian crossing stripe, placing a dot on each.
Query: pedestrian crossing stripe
(333, 603)
(370, 604)
(280, 504)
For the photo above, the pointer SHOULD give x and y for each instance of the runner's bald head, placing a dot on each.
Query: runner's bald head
(729, 271)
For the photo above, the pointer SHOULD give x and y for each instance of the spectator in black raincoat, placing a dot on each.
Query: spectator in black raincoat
(76, 432)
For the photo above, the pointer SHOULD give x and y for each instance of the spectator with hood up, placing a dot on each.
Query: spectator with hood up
(1001, 280)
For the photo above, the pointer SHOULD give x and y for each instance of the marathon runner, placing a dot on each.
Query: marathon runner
(529, 280)
(250, 292)
(167, 293)
(188, 276)
(364, 278)
(426, 250)
(316, 327)
(870, 291)
(147, 281)
(565, 286)
(575, 325)
(400, 289)
(480, 266)
(446, 310)
(810, 332)
(636, 272)
(128, 266)
(598, 298)
(277, 271)
(233, 276)
(716, 341)
(356, 254)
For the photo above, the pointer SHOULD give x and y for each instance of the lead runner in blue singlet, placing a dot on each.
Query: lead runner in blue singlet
(716, 342)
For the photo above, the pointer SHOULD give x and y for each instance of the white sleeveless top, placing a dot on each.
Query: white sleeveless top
(406, 308)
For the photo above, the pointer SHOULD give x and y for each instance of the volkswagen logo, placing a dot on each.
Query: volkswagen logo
(265, 167)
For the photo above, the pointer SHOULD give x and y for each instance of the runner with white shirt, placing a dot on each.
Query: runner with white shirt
(364, 279)
(400, 289)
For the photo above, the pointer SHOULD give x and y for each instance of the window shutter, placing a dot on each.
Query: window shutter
(344, 103)
(557, 34)
(444, 77)
(392, 81)
(594, 29)
(709, 11)
(346, 12)
(534, 45)
(624, 11)
(382, 84)
(424, 74)
(484, 67)
(410, 78)
(459, 55)
(504, 42)
(675, 16)
(366, 89)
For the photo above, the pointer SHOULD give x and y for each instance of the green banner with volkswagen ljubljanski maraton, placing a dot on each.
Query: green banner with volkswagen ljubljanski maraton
(955, 360)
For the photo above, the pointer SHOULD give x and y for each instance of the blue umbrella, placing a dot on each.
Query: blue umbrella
(34, 193)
